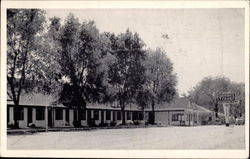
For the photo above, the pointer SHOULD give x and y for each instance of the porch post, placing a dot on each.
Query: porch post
(46, 117)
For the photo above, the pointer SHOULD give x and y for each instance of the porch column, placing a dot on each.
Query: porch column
(104, 115)
(92, 113)
(111, 115)
(125, 115)
(64, 117)
(33, 115)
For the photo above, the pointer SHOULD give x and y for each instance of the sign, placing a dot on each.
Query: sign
(226, 97)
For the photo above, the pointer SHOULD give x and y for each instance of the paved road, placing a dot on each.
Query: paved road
(200, 137)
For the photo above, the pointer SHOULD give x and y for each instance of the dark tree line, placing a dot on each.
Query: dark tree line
(79, 64)
(207, 91)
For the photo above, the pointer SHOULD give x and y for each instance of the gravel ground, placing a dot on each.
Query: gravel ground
(163, 138)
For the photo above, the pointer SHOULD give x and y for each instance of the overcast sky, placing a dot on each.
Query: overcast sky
(202, 42)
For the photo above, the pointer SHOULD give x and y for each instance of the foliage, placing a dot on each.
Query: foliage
(24, 67)
(81, 49)
(206, 92)
(160, 85)
(126, 73)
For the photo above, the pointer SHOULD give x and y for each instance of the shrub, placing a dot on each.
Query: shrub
(136, 122)
(92, 123)
(113, 123)
(129, 122)
(77, 123)
(11, 126)
(32, 125)
(103, 124)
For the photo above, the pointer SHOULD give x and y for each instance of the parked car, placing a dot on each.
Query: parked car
(240, 121)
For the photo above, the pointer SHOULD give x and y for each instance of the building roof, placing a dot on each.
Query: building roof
(36, 99)
(178, 104)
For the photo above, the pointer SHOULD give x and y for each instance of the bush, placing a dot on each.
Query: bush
(113, 123)
(11, 126)
(32, 125)
(92, 123)
(129, 122)
(77, 123)
(136, 122)
(203, 122)
(103, 125)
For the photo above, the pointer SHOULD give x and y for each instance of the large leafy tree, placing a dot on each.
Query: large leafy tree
(238, 110)
(81, 51)
(24, 64)
(206, 93)
(126, 72)
(160, 85)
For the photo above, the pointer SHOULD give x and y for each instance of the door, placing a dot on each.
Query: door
(88, 116)
(150, 117)
(67, 115)
(75, 115)
(50, 122)
(114, 117)
(29, 115)
(8, 115)
(102, 117)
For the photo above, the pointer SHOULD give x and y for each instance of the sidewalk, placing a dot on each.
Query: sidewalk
(35, 130)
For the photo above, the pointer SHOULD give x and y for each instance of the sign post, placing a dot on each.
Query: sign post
(227, 98)
(226, 107)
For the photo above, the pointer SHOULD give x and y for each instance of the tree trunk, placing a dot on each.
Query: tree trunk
(216, 110)
(16, 112)
(153, 111)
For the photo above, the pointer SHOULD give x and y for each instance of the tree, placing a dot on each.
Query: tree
(238, 110)
(160, 85)
(81, 50)
(206, 93)
(23, 60)
(126, 73)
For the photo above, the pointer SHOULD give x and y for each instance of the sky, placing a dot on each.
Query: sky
(202, 42)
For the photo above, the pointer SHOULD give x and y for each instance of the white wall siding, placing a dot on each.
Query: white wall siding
(23, 123)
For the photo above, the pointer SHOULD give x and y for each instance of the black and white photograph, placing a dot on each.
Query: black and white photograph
(128, 76)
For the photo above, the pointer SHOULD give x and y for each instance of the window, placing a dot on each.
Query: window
(96, 115)
(108, 115)
(128, 115)
(209, 118)
(195, 118)
(39, 114)
(177, 117)
(135, 115)
(119, 116)
(59, 114)
(82, 114)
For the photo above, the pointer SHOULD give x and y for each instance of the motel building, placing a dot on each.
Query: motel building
(39, 111)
